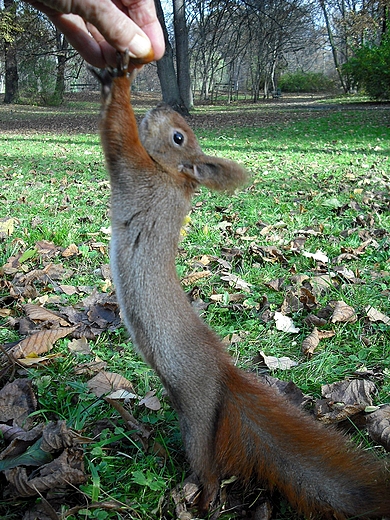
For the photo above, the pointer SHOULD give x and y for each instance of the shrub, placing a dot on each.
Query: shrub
(305, 82)
(369, 69)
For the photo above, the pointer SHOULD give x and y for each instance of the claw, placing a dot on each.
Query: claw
(123, 60)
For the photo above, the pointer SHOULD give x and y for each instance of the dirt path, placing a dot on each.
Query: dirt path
(80, 114)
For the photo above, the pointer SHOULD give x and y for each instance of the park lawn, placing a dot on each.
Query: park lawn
(318, 186)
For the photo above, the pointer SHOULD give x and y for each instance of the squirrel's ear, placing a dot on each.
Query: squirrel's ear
(216, 174)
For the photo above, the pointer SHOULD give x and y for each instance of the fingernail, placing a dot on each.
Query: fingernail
(139, 46)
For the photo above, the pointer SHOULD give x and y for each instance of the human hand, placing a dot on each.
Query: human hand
(99, 28)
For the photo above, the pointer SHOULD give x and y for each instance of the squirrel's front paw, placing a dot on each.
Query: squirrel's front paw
(122, 63)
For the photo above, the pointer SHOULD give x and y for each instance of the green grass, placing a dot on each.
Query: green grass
(328, 174)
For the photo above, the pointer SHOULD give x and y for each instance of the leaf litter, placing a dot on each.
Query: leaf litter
(33, 280)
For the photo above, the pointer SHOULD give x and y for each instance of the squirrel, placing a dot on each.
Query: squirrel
(231, 423)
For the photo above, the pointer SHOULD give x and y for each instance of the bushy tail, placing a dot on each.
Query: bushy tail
(259, 433)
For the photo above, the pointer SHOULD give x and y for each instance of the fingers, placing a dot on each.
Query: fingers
(112, 25)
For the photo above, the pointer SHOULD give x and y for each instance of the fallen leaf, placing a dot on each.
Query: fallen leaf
(291, 303)
(282, 363)
(236, 282)
(315, 321)
(121, 395)
(80, 345)
(378, 426)
(343, 313)
(38, 313)
(106, 382)
(321, 283)
(319, 256)
(90, 368)
(192, 278)
(375, 315)
(285, 323)
(67, 468)
(46, 248)
(276, 284)
(32, 360)
(71, 250)
(7, 225)
(68, 289)
(329, 412)
(308, 298)
(40, 342)
(310, 343)
(356, 391)
(17, 402)
(268, 253)
(322, 334)
(227, 297)
(151, 401)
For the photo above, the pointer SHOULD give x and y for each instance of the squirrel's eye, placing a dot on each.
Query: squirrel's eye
(178, 138)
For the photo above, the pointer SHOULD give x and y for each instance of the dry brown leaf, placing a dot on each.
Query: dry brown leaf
(69, 251)
(291, 303)
(276, 284)
(184, 496)
(46, 248)
(80, 345)
(46, 275)
(329, 412)
(151, 401)
(310, 343)
(38, 313)
(343, 313)
(323, 334)
(17, 402)
(236, 282)
(40, 342)
(66, 469)
(90, 368)
(315, 321)
(378, 426)
(12, 265)
(321, 283)
(32, 360)
(68, 289)
(194, 277)
(297, 244)
(308, 298)
(375, 315)
(356, 391)
(268, 253)
(282, 363)
(106, 382)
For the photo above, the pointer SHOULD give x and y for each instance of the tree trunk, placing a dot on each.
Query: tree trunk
(62, 50)
(332, 45)
(182, 54)
(10, 61)
(166, 70)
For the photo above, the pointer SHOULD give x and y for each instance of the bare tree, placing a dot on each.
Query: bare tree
(9, 33)
(182, 54)
(166, 70)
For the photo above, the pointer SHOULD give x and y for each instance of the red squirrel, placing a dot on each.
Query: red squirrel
(231, 423)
